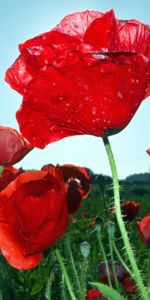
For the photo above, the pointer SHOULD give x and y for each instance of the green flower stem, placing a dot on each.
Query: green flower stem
(148, 269)
(113, 264)
(121, 259)
(49, 287)
(64, 271)
(104, 202)
(84, 273)
(64, 295)
(123, 231)
(105, 257)
(76, 278)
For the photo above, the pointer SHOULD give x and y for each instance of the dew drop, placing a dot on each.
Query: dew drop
(46, 61)
(94, 110)
(120, 95)
(61, 98)
(67, 104)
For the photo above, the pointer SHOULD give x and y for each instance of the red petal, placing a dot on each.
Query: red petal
(77, 99)
(18, 75)
(30, 220)
(70, 171)
(130, 210)
(94, 294)
(129, 285)
(74, 197)
(13, 146)
(134, 36)
(102, 34)
(76, 24)
(14, 254)
(77, 182)
(8, 175)
(148, 151)
(144, 229)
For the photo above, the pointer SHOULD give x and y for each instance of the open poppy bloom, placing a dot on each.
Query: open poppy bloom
(33, 216)
(144, 229)
(130, 210)
(94, 294)
(9, 174)
(13, 147)
(77, 183)
(88, 75)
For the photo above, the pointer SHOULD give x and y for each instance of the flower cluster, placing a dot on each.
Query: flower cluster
(88, 75)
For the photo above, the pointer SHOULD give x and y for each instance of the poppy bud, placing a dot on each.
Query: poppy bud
(111, 228)
(85, 249)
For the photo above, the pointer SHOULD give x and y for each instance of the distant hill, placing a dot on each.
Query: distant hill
(143, 177)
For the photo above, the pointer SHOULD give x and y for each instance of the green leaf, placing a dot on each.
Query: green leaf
(108, 292)
(36, 288)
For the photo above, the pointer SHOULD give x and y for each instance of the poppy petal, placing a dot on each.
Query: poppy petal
(13, 146)
(30, 220)
(65, 103)
(102, 34)
(144, 229)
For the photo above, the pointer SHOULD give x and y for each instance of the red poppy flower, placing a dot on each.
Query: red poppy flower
(88, 75)
(33, 216)
(8, 175)
(13, 146)
(148, 151)
(144, 229)
(94, 294)
(77, 182)
(129, 286)
(130, 210)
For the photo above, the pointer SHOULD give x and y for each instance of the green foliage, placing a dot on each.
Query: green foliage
(108, 292)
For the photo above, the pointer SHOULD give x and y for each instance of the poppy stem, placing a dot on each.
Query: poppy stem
(105, 257)
(149, 269)
(76, 279)
(123, 231)
(84, 273)
(121, 259)
(49, 287)
(113, 263)
(64, 271)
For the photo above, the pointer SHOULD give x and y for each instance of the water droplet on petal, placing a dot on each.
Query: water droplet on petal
(120, 95)
(94, 110)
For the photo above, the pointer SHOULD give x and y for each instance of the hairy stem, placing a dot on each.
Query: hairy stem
(73, 267)
(64, 271)
(104, 257)
(123, 231)
(121, 259)
(113, 264)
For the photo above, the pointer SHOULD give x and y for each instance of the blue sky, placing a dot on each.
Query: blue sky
(21, 20)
